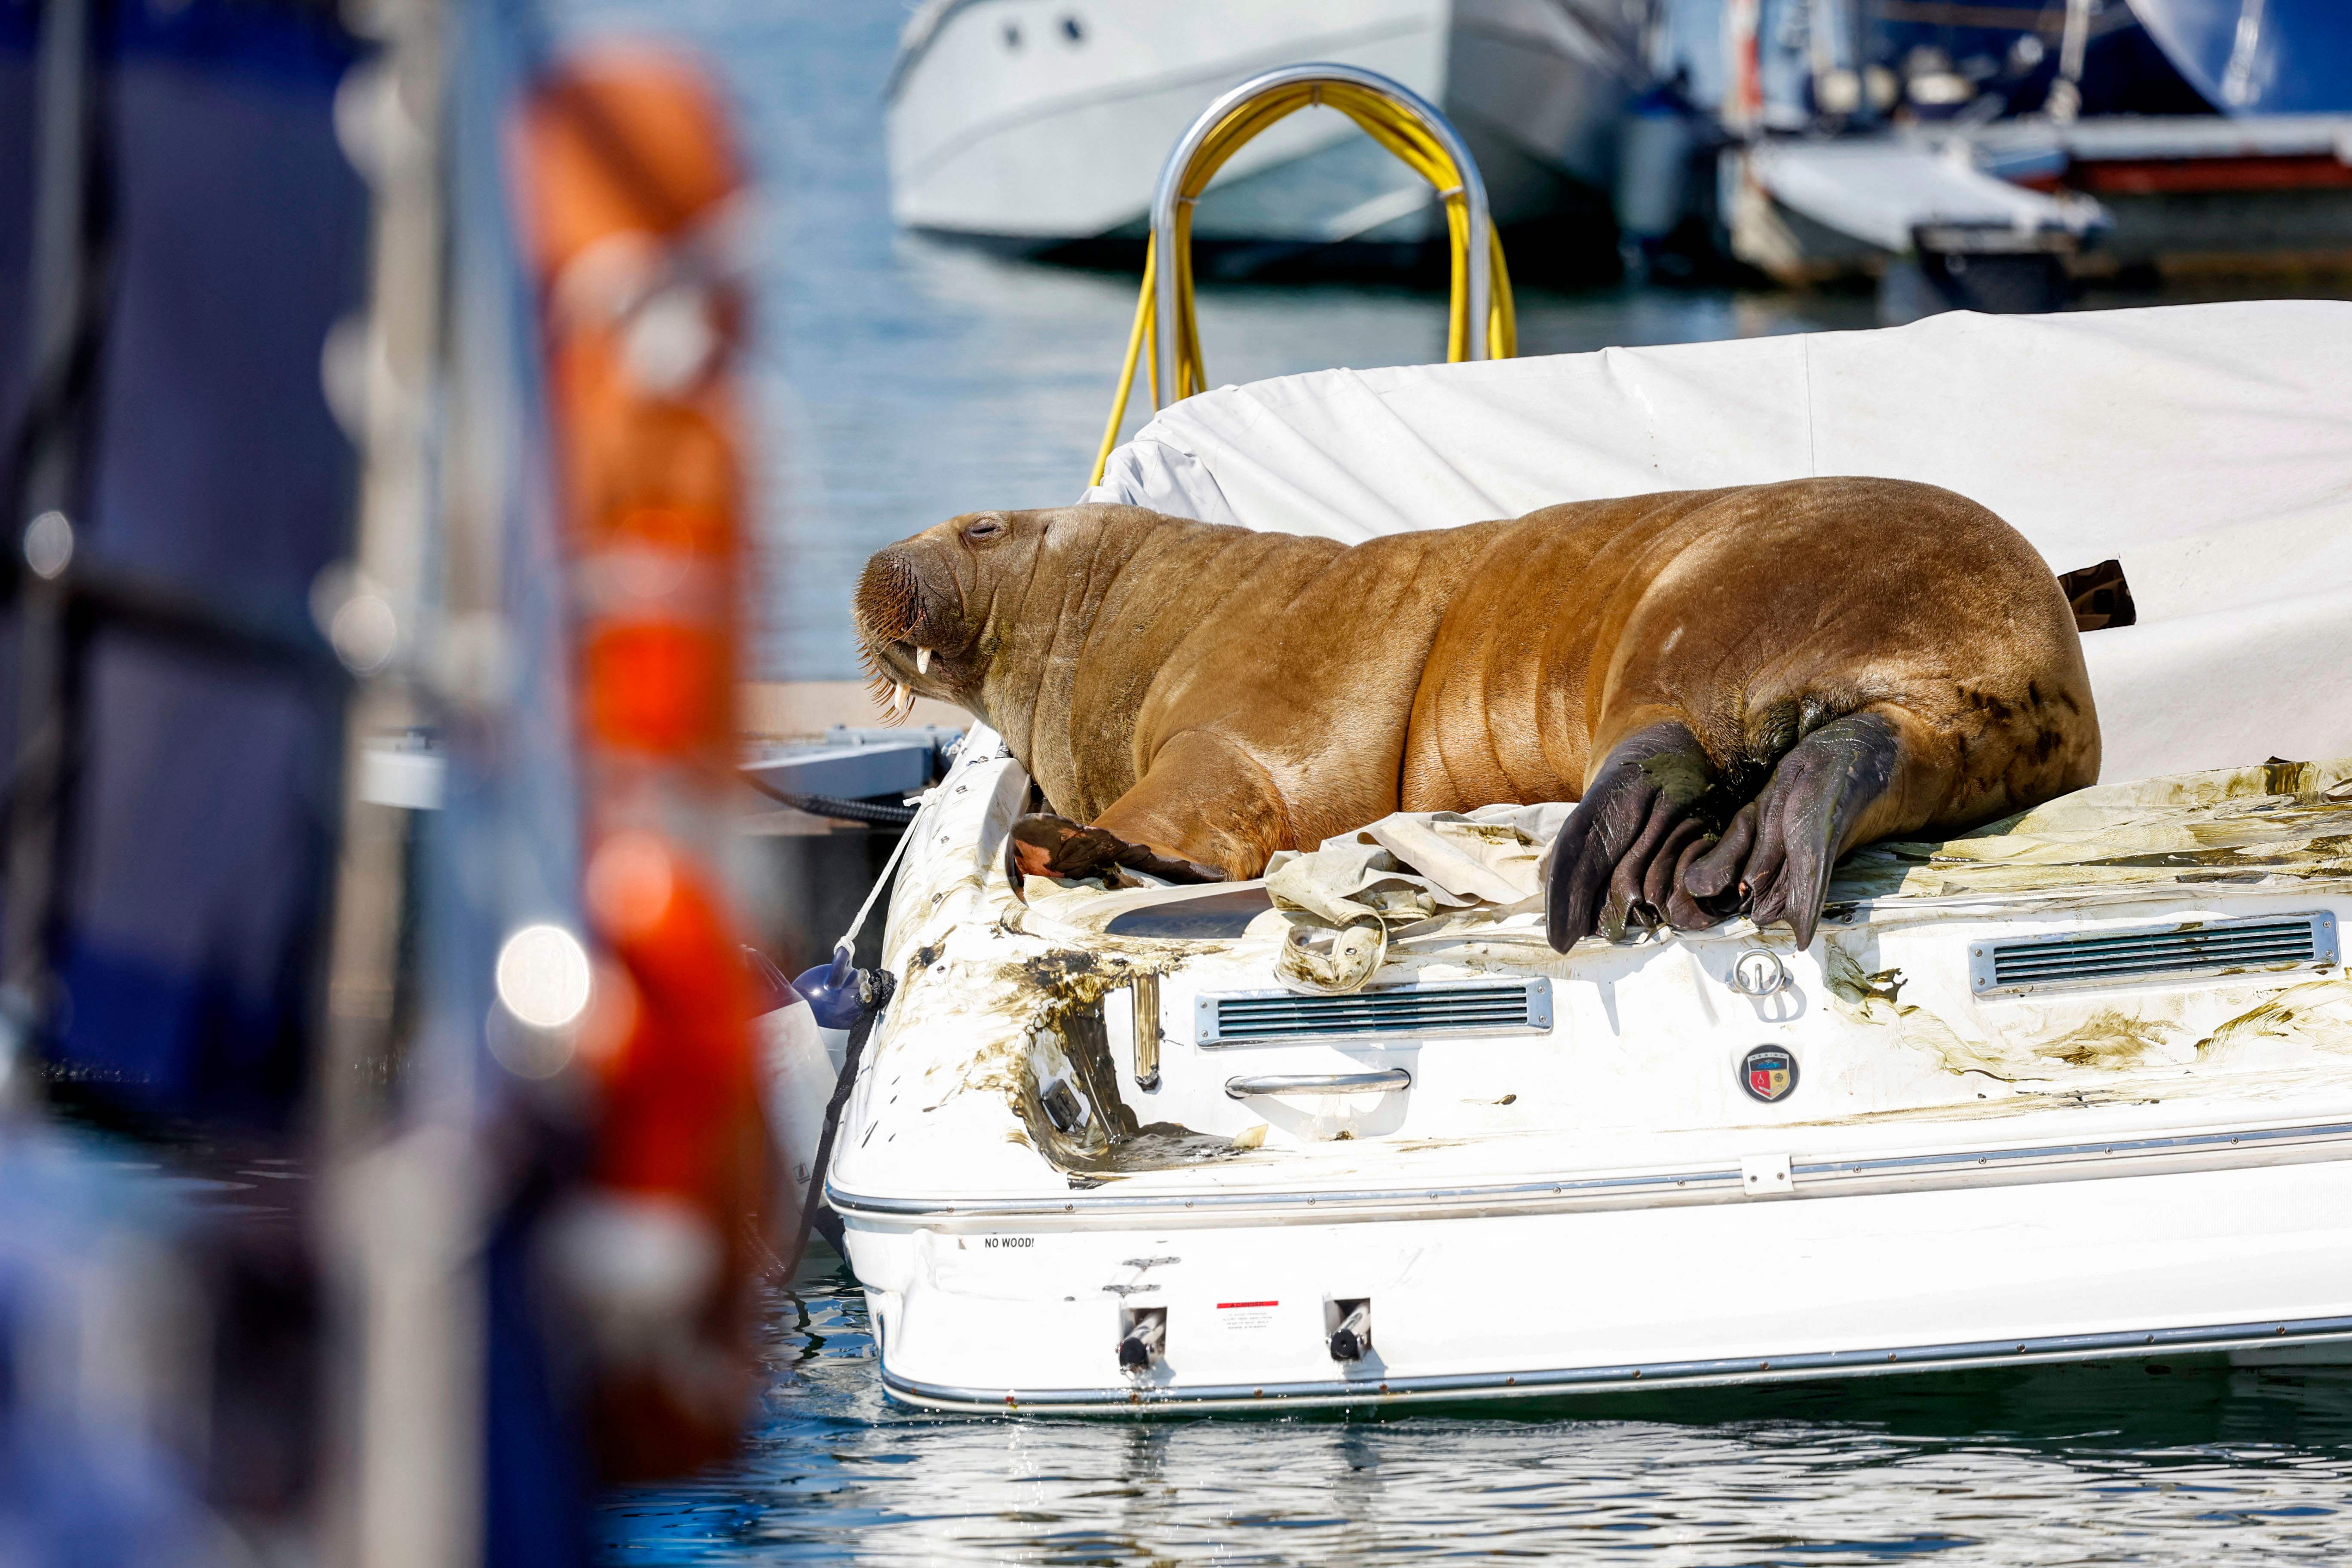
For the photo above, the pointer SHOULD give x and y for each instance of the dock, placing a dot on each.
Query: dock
(2036, 203)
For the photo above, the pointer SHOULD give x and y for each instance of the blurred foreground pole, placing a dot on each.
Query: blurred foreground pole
(401, 1223)
(390, 117)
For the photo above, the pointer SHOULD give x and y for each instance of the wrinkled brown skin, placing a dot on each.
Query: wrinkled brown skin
(1877, 658)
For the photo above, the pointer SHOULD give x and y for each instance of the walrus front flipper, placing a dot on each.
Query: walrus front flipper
(1043, 845)
(1778, 849)
(1205, 799)
(1633, 821)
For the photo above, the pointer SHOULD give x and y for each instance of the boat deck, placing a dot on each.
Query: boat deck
(1009, 1056)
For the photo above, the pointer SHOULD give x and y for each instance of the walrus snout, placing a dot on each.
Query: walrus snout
(909, 617)
(889, 604)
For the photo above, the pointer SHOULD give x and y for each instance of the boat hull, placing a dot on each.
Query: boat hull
(1006, 129)
(997, 1313)
(2286, 57)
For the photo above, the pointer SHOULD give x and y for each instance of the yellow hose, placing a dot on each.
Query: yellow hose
(1127, 372)
(1387, 123)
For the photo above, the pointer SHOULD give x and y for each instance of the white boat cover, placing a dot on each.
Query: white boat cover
(2208, 447)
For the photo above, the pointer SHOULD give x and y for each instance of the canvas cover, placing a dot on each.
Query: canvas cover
(2208, 447)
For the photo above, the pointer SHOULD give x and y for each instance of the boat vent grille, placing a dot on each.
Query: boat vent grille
(2152, 954)
(1251, 1016)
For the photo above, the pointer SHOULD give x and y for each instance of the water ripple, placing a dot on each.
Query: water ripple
(2195, 1463)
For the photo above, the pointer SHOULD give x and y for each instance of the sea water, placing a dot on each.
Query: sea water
(2187, 1461)
(894, 380)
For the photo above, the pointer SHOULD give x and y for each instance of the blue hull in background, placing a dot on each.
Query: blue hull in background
(2258, 56)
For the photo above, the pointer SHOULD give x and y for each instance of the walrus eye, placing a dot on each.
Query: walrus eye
(985, 528)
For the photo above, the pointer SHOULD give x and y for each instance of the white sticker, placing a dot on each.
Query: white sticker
(1246, 1316)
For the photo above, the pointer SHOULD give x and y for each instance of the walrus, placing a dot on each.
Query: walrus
(1740, 685)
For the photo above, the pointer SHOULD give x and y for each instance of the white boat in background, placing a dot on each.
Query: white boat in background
(2077, 1086)
(1034, 123)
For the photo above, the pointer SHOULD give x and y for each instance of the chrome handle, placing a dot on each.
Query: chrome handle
(1320, 1083)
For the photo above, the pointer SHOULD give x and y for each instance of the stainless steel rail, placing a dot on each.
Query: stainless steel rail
(1165, 200)
(1382, 1082)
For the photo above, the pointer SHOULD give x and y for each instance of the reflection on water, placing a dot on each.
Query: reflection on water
(2194, 1463)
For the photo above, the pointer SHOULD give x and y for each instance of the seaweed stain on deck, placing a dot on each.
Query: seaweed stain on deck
(1851, 984)
(1060, 993)
(2110, 1040)
(2317, 1015)
(1875, 996)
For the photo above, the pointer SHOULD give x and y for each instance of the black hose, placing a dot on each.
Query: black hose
(870, 811)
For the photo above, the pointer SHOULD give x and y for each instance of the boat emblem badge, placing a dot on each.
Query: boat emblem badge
(1769, 1073)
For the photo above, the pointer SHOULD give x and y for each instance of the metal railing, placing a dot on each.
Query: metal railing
(1480, 320)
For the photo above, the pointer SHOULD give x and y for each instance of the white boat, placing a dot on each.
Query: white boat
(1035, 122)
(2077, 1086)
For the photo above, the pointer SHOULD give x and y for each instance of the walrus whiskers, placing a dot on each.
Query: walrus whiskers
(889, 604)
(878, 683)
(889, 610)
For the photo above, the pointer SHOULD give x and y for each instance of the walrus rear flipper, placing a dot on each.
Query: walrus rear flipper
(1778, 850)
(1620, 850)
(1639, 845)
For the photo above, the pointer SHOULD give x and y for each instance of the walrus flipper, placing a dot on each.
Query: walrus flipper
(1639, 845)
(1619, 855)
(1043, 845)
(1779, 848)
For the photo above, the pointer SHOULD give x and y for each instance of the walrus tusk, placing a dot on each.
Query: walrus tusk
(902, 699)
(922, 661)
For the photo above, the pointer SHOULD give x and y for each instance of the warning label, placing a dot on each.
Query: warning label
(1243, 1316)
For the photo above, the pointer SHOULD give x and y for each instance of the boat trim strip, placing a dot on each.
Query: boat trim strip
(1821, 1178)
(1642, 1376)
